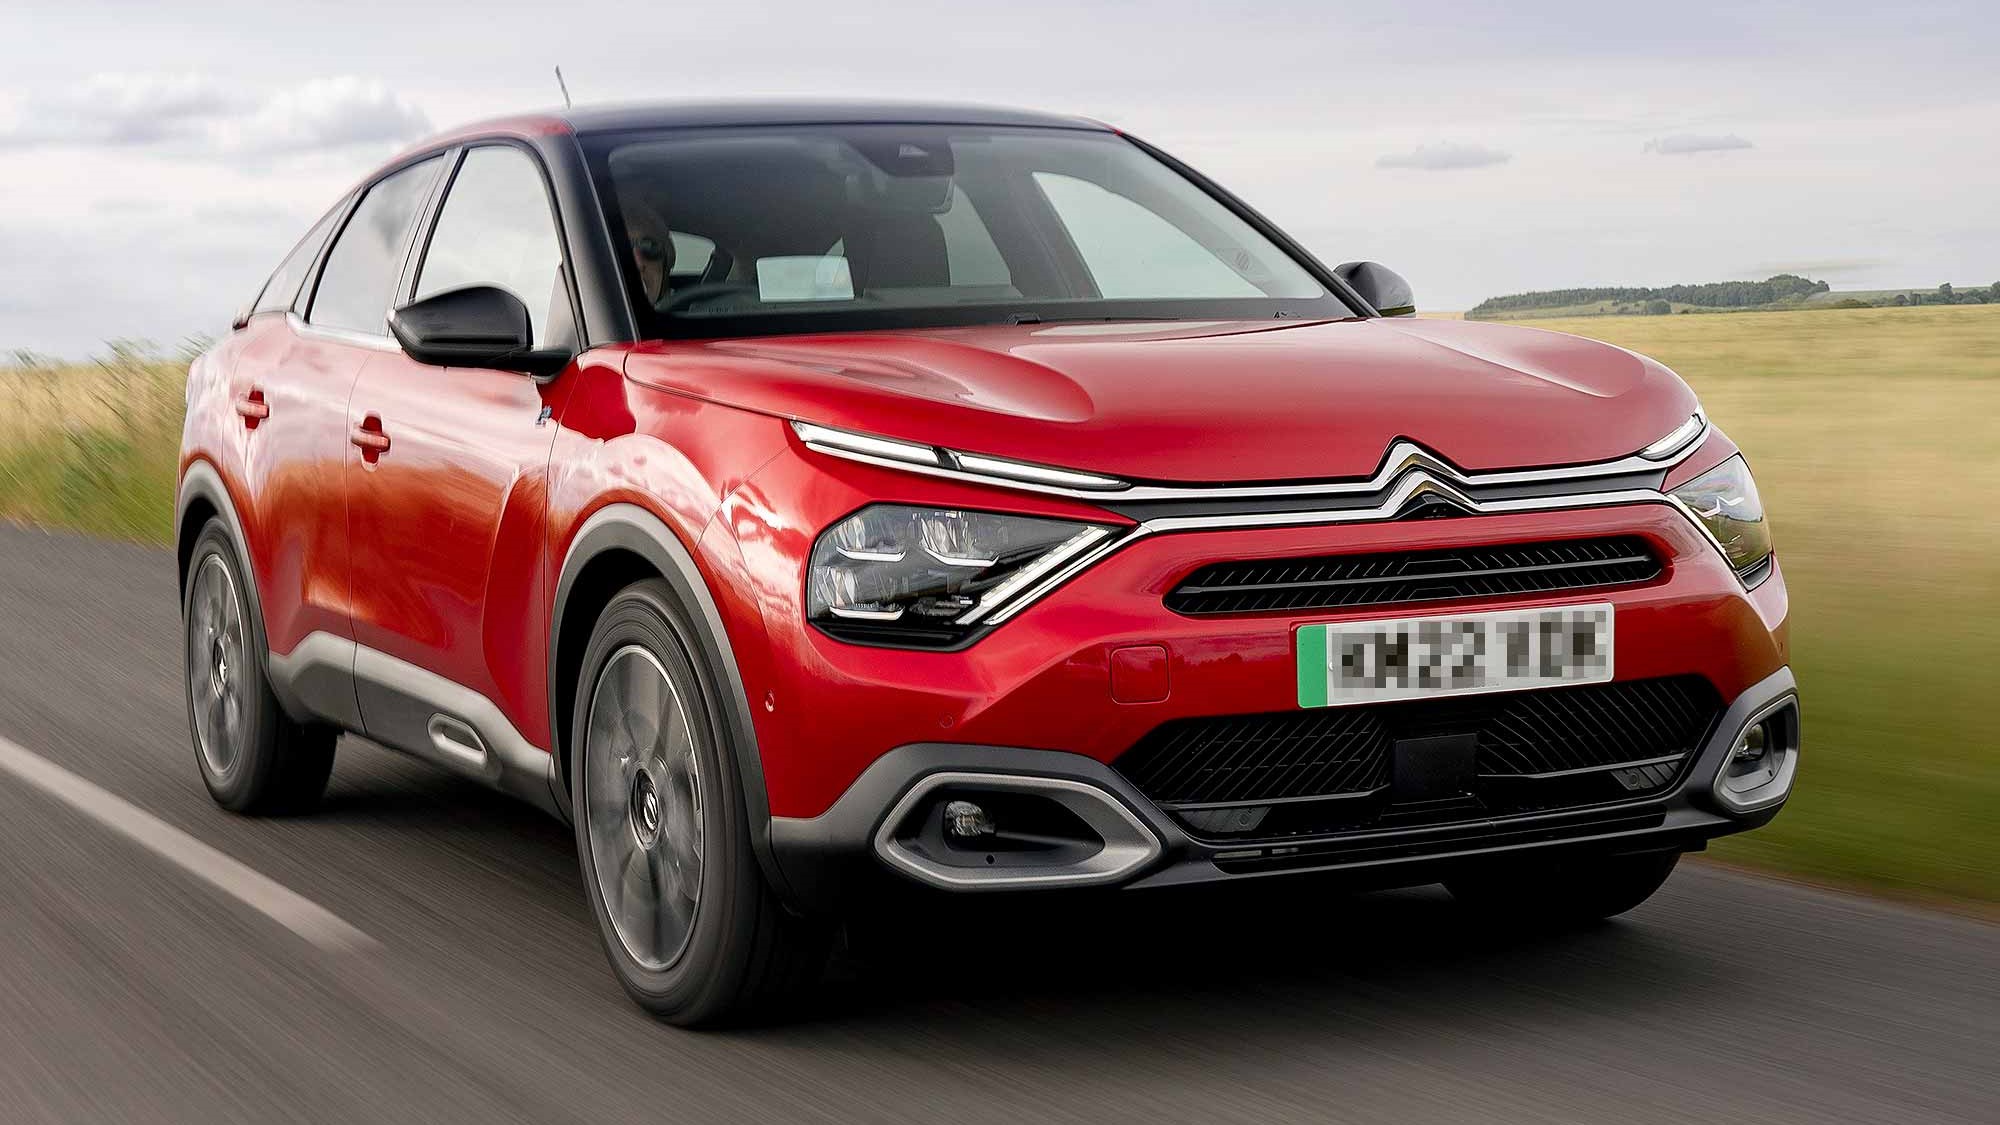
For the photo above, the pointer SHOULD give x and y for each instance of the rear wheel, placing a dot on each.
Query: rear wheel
(692, 930)
(1564, 892)
(252, 756)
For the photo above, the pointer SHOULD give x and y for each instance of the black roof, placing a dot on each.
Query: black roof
(696, 113)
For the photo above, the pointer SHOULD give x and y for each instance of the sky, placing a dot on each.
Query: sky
(158, 159)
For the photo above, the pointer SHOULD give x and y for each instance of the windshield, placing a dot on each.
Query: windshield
(733, 231)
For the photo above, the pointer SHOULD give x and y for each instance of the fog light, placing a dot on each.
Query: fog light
(1751, 747)
(964, 820)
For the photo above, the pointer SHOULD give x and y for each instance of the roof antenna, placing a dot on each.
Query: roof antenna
(564, 85)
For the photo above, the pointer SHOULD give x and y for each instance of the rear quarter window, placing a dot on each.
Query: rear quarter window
(282, 290)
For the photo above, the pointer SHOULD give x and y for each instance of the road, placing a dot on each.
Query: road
(132, 989)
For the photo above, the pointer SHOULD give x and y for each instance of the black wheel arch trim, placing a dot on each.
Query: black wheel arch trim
(201, 482)
(628, 527)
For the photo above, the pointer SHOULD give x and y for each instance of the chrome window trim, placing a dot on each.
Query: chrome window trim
(1402, 457)
(384, 343)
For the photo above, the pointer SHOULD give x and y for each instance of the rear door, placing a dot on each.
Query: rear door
(446, 510)
(290, 385)
(289, 414)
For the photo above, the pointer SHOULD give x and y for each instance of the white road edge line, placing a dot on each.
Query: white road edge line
(289, 909)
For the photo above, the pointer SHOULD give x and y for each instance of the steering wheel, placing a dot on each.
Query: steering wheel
(707, 290)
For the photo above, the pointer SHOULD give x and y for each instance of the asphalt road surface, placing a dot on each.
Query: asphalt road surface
(420, 950)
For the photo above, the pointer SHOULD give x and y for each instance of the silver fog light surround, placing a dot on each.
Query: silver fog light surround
(1763, 759)
(1118, 845)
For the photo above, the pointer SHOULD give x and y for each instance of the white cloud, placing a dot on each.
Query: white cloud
(1684, 144)
(1445, 157)
(117, 109)
(193, 114)
(328, 113)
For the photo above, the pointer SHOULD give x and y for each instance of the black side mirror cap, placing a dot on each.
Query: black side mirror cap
(474, 326)
(1380, 286)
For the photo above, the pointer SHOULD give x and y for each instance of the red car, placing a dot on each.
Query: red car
(797, 497)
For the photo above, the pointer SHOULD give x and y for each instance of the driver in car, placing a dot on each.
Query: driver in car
(652, 244)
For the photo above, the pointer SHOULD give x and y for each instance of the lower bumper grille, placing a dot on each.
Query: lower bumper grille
(1334, 769)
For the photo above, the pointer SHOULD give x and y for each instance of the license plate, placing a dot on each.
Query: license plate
(1463, 654)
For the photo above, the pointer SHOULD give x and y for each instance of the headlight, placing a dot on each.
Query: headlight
(1725, 500)
(929, 577)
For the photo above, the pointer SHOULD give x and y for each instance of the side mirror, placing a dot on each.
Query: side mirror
(1380, 286)
(476, 326)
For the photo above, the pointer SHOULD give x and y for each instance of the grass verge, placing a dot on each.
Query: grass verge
(93, 446)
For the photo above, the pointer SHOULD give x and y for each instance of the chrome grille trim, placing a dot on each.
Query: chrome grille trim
(1403, 458)
(1408, 472)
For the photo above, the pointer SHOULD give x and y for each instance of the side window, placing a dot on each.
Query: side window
(283, 288)
(496, 229)
(1134, 253)
(359, 279)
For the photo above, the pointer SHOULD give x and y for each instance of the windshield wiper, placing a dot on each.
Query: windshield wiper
(1038, 318)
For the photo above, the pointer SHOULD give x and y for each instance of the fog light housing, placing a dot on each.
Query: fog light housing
(1758, 771)
(964, 820)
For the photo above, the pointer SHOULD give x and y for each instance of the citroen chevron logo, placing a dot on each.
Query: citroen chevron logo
(1426, 498)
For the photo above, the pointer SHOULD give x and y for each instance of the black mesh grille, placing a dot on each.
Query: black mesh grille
(1329, 769)
(1581, 728)
(1340, 581)
(1257, 757)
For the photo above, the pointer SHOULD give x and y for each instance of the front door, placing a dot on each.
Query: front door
(447, 490)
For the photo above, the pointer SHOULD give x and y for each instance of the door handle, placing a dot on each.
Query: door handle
(369, 439)
(252, 408)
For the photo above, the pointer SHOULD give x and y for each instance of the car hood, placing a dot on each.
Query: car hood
(1207, 403)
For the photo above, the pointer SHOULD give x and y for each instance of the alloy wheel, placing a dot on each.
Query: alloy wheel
(642, 806)
(218, 677)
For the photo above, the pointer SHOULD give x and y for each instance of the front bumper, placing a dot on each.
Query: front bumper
(824, 858)
(847, 732)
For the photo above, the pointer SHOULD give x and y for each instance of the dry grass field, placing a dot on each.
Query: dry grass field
(92, 446)
(1873, 433)
(1875, 437)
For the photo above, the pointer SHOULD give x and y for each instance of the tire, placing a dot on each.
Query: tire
(691, 928)
(1561, 893)
(253, 757)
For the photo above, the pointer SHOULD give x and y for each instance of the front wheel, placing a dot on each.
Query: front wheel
(692, 930)
(1564, 892)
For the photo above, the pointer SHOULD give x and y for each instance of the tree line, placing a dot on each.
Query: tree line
(1946, 295)
(1725, 295)
(1712, 295)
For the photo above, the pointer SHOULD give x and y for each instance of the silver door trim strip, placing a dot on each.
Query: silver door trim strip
(503, 757)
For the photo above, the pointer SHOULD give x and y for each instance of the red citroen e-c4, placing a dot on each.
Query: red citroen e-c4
(797, 495)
